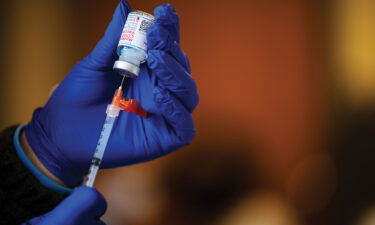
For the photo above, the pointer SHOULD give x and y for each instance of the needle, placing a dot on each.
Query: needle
(122, 81)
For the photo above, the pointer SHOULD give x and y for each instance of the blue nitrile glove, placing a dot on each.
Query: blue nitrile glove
(65, 132)
(84, 206)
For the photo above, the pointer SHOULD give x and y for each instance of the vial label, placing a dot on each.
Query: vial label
(134, 32)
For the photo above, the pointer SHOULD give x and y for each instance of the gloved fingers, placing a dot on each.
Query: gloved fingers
(105, 52)
(84, 201)
(159, 38)
(95, 203)
(179, 119)
(172, 76)
(83, 204)
(166, 16)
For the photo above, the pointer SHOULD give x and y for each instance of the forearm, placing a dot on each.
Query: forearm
(22, 196)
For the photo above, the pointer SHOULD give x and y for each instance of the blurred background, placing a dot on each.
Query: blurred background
(285, 125)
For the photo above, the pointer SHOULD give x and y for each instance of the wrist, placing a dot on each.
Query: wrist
(43, 179)
(35, 161)
(39, 135)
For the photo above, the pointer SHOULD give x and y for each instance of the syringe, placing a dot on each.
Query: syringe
(112, 113)
(113, 110)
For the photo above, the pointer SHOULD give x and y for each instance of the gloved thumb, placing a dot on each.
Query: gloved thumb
(84, 202)
(84, 206)
(104, 53)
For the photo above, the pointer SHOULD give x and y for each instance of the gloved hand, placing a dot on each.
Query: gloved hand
(65, 132)
(84, 206)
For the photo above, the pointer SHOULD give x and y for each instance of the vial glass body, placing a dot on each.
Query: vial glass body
(132, 47)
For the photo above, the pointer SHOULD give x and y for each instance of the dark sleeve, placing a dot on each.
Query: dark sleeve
(22, 196)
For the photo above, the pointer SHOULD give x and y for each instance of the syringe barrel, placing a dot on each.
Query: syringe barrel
(92, 175)
(112, 110)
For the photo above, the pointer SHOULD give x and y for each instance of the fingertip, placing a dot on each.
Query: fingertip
(86, 193)
(121, 12)
(165, 11)
(104, 53)
(125, 8)
(196, 99)
(92, 198)
(188, 135)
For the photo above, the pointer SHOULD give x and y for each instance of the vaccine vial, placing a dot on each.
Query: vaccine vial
(132, 47)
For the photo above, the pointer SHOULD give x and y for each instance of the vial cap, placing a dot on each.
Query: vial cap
(126, 69)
